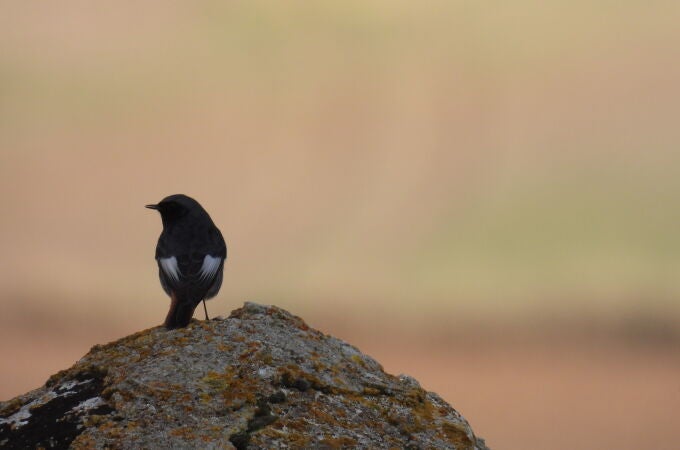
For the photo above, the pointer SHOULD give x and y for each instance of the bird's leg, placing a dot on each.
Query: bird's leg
(206, 310)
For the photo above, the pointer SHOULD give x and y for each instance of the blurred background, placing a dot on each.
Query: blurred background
(484, 196)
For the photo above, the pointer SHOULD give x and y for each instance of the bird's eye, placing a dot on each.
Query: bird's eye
(173, 209)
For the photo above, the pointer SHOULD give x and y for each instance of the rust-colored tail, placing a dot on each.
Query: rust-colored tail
(180, 314)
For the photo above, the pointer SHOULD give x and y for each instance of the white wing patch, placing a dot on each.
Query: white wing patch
(210, 266)
(169, 266)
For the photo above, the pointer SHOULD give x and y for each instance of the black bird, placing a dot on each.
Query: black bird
(190, 255)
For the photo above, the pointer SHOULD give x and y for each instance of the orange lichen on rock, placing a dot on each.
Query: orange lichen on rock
(261, 378)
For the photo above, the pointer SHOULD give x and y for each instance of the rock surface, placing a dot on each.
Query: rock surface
(258, 379)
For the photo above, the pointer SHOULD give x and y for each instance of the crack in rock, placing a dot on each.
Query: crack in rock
(262, 416)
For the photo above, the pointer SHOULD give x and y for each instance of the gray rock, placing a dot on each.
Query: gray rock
(258, 379)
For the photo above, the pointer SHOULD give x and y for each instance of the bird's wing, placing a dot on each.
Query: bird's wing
(218, 246)
(169, 274)
(190, 277)
(211, 265)
(192, 269)
(170, 267)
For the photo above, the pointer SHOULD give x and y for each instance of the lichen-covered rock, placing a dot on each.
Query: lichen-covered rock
(258, 379)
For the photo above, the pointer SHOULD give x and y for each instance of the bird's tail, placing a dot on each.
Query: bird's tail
(180, 313)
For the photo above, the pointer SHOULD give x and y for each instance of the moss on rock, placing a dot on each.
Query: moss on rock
(261, 378)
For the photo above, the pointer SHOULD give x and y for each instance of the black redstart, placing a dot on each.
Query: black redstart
(190, 255)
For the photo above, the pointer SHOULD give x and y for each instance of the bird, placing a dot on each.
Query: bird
(190, 254)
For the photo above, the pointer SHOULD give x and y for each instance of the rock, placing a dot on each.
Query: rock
(258, 379)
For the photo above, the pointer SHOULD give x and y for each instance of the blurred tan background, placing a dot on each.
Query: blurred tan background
(482, 195)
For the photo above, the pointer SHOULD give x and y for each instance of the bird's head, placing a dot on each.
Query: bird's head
(174, 207)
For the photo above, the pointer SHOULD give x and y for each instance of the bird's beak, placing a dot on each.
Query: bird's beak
(152, 207)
